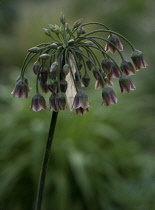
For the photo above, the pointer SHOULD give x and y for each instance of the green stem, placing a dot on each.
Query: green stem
(113, 32)
(92, 63)
(95, 23)
(45, 161)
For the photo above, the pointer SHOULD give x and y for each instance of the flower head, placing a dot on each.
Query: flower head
(126, 84)
(138, 60)
(38, 102)
(108, 96)
(21, 89)
(64, 66)
(113, 43)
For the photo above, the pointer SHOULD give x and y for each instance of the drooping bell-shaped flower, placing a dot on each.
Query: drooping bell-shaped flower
(38, 102)
(116, 43)
(57, 102)
(21, 89)
(138, 60)
(108, 96)
(127, 68)
(126, 84)
(81, 102)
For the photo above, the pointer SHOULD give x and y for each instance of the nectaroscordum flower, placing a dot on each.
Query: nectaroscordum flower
(126, 84)
(108, 96)
(138, 60)
(63, 66)
(81, 102)
(38, 102)
(21, 89)
(113, 43)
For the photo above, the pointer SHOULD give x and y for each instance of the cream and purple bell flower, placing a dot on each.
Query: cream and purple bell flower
(138, 60)
(38, 103)
(126, 84)
(116, 43)
(108, 96)
(81, 103)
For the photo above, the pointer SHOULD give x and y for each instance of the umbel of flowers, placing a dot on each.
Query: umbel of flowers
(64, 64)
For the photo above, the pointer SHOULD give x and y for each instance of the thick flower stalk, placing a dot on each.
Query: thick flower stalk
(64, 68)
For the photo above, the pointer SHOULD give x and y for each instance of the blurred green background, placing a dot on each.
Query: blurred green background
(101, 161)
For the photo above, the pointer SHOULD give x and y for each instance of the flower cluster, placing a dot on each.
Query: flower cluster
(63, 66)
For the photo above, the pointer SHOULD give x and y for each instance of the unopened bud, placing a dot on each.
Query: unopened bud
(53, 46)
(89, 64)
(66, 69)
(63, 86)
(83, 30)
(54, 67)
(47, 32)
(34, 50)
(78, 23)
(44, 56)
(62, 18)
(79, 31)
(52, 86)
(71, 42)
(86, 80)
(52, 27)
(36, 67)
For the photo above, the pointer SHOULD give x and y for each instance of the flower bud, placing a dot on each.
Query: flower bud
(116, 42)
(66, 69)
(54, 67)
(96, 74)
(47, 31)
(57, 102)
(81, 102)
(57, 30)
(63, 86)
(36, 67)
(86, 80)
(52, 27)
(127, 68)
(52, 86)
(78, 23)
(38, 102)
(79, 31)
(89, 64)
(89, 43)
(44, 87)
(83, 30)
(107, 65)
(34, 50)
(43, 75)
(21, 89)
(53, 46)
(108, 96)
(125, 84)
(68, 29)
(44, 56)
(99, 84)
(62, 18)
(138, 60)
(71, 42)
